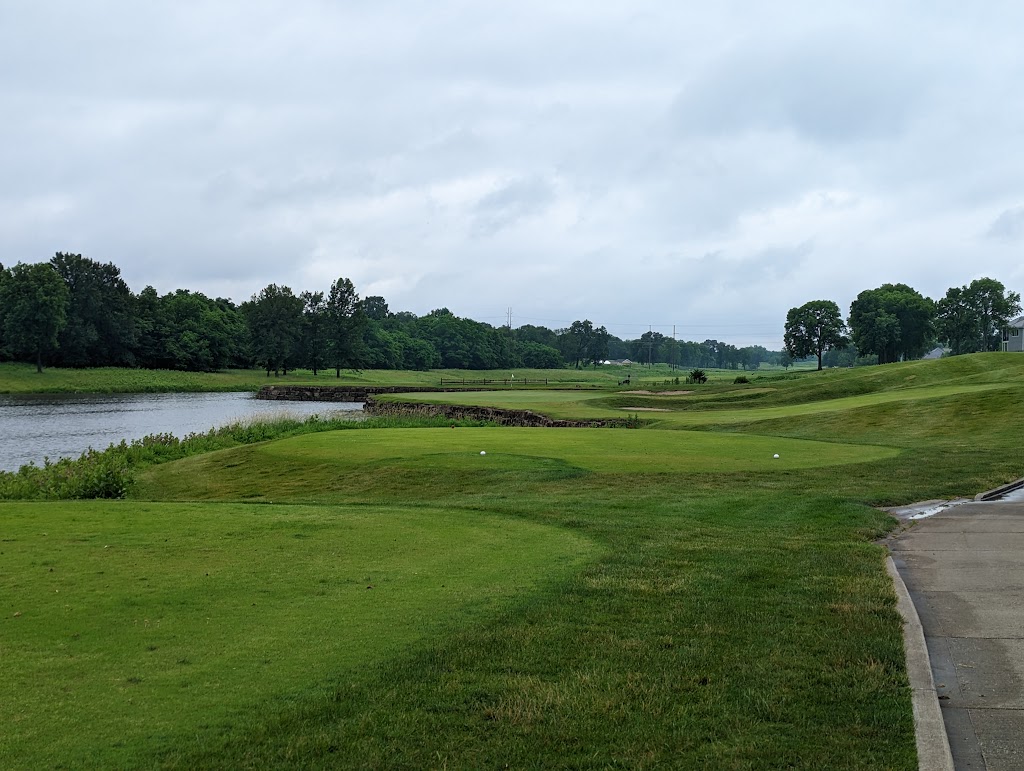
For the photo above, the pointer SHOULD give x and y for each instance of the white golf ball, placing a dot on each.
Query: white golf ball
(482, 452)
(776, 455)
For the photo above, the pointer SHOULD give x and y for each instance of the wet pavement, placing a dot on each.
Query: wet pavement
(963, 564)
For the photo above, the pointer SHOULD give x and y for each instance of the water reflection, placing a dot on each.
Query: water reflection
(63, 425)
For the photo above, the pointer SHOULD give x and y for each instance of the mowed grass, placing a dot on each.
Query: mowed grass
(682, 410)
(733, 610)
(130, 629)
(315, 465)
(18, 378)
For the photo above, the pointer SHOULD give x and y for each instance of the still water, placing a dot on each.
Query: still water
(65, 425)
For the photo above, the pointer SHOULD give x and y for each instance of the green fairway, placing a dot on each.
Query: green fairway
(158, 625)
(657, 597)
(23, 378)
(681, 410)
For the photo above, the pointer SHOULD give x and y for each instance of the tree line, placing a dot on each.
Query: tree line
(896, 322)
(73, 311)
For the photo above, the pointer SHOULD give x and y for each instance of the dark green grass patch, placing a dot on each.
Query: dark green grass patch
(134, 629)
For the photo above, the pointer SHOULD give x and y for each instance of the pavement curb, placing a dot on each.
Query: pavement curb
(933, 753)
(1000, 491)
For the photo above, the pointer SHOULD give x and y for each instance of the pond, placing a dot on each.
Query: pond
(34, 426)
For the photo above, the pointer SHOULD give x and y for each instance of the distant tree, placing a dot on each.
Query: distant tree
(416, 354)
(274, 318)
(814, 328)
(34, 300)
(4, 352)
(597, 347)
(187, 330)
(538, 355)
(529, 333)
(751, 356)
(578, 338)
(314, 319)
(375, 308)
(101, 329)
(993, 307)
(345, 326)
(957, 324)
(647, 349)
(893, 321)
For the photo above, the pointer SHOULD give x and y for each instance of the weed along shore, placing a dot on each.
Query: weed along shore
(707, 590)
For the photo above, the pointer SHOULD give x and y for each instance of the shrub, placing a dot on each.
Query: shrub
(741, 379)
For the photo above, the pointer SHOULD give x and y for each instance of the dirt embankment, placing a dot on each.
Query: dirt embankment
(491, 414)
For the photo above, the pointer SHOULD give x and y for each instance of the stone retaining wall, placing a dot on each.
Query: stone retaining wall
(299, 393)
(490, 414)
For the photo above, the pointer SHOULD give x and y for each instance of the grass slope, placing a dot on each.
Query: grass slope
(735, 614)
(160, 626)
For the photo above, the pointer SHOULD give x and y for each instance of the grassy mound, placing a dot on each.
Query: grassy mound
(162, 624)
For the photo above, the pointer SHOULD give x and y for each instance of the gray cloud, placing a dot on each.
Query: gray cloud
(1008, 226)
(510, 203)
(631, 162)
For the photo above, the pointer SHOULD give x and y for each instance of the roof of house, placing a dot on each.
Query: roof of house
(1017, 322)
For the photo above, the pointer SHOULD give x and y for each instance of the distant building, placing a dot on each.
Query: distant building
(1013, 335)
(618, 362)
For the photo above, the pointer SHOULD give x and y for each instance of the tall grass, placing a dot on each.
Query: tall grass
(111, 473)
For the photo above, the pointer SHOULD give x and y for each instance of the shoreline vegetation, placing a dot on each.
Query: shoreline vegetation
(719, 597)
(111, 473)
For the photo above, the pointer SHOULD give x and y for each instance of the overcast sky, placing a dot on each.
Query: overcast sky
(707, 165)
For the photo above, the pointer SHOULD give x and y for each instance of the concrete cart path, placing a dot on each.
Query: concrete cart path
(964, 569)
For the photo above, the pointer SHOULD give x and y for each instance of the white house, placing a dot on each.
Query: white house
(1013, 335)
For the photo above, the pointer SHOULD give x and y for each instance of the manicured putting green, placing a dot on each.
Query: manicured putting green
(603, 450)
(130, 627)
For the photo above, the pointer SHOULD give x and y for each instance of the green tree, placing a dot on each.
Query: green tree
(314, 319)
(34, 300)
(538, 355)
(274, 318)
(4, 353)
(957, 324)
(187, 330)
(577, 341)
(893, 321)
(375, 308)
(993, 307)
(814, 328)
(101, 329)
(597, 346)
(345, 326)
